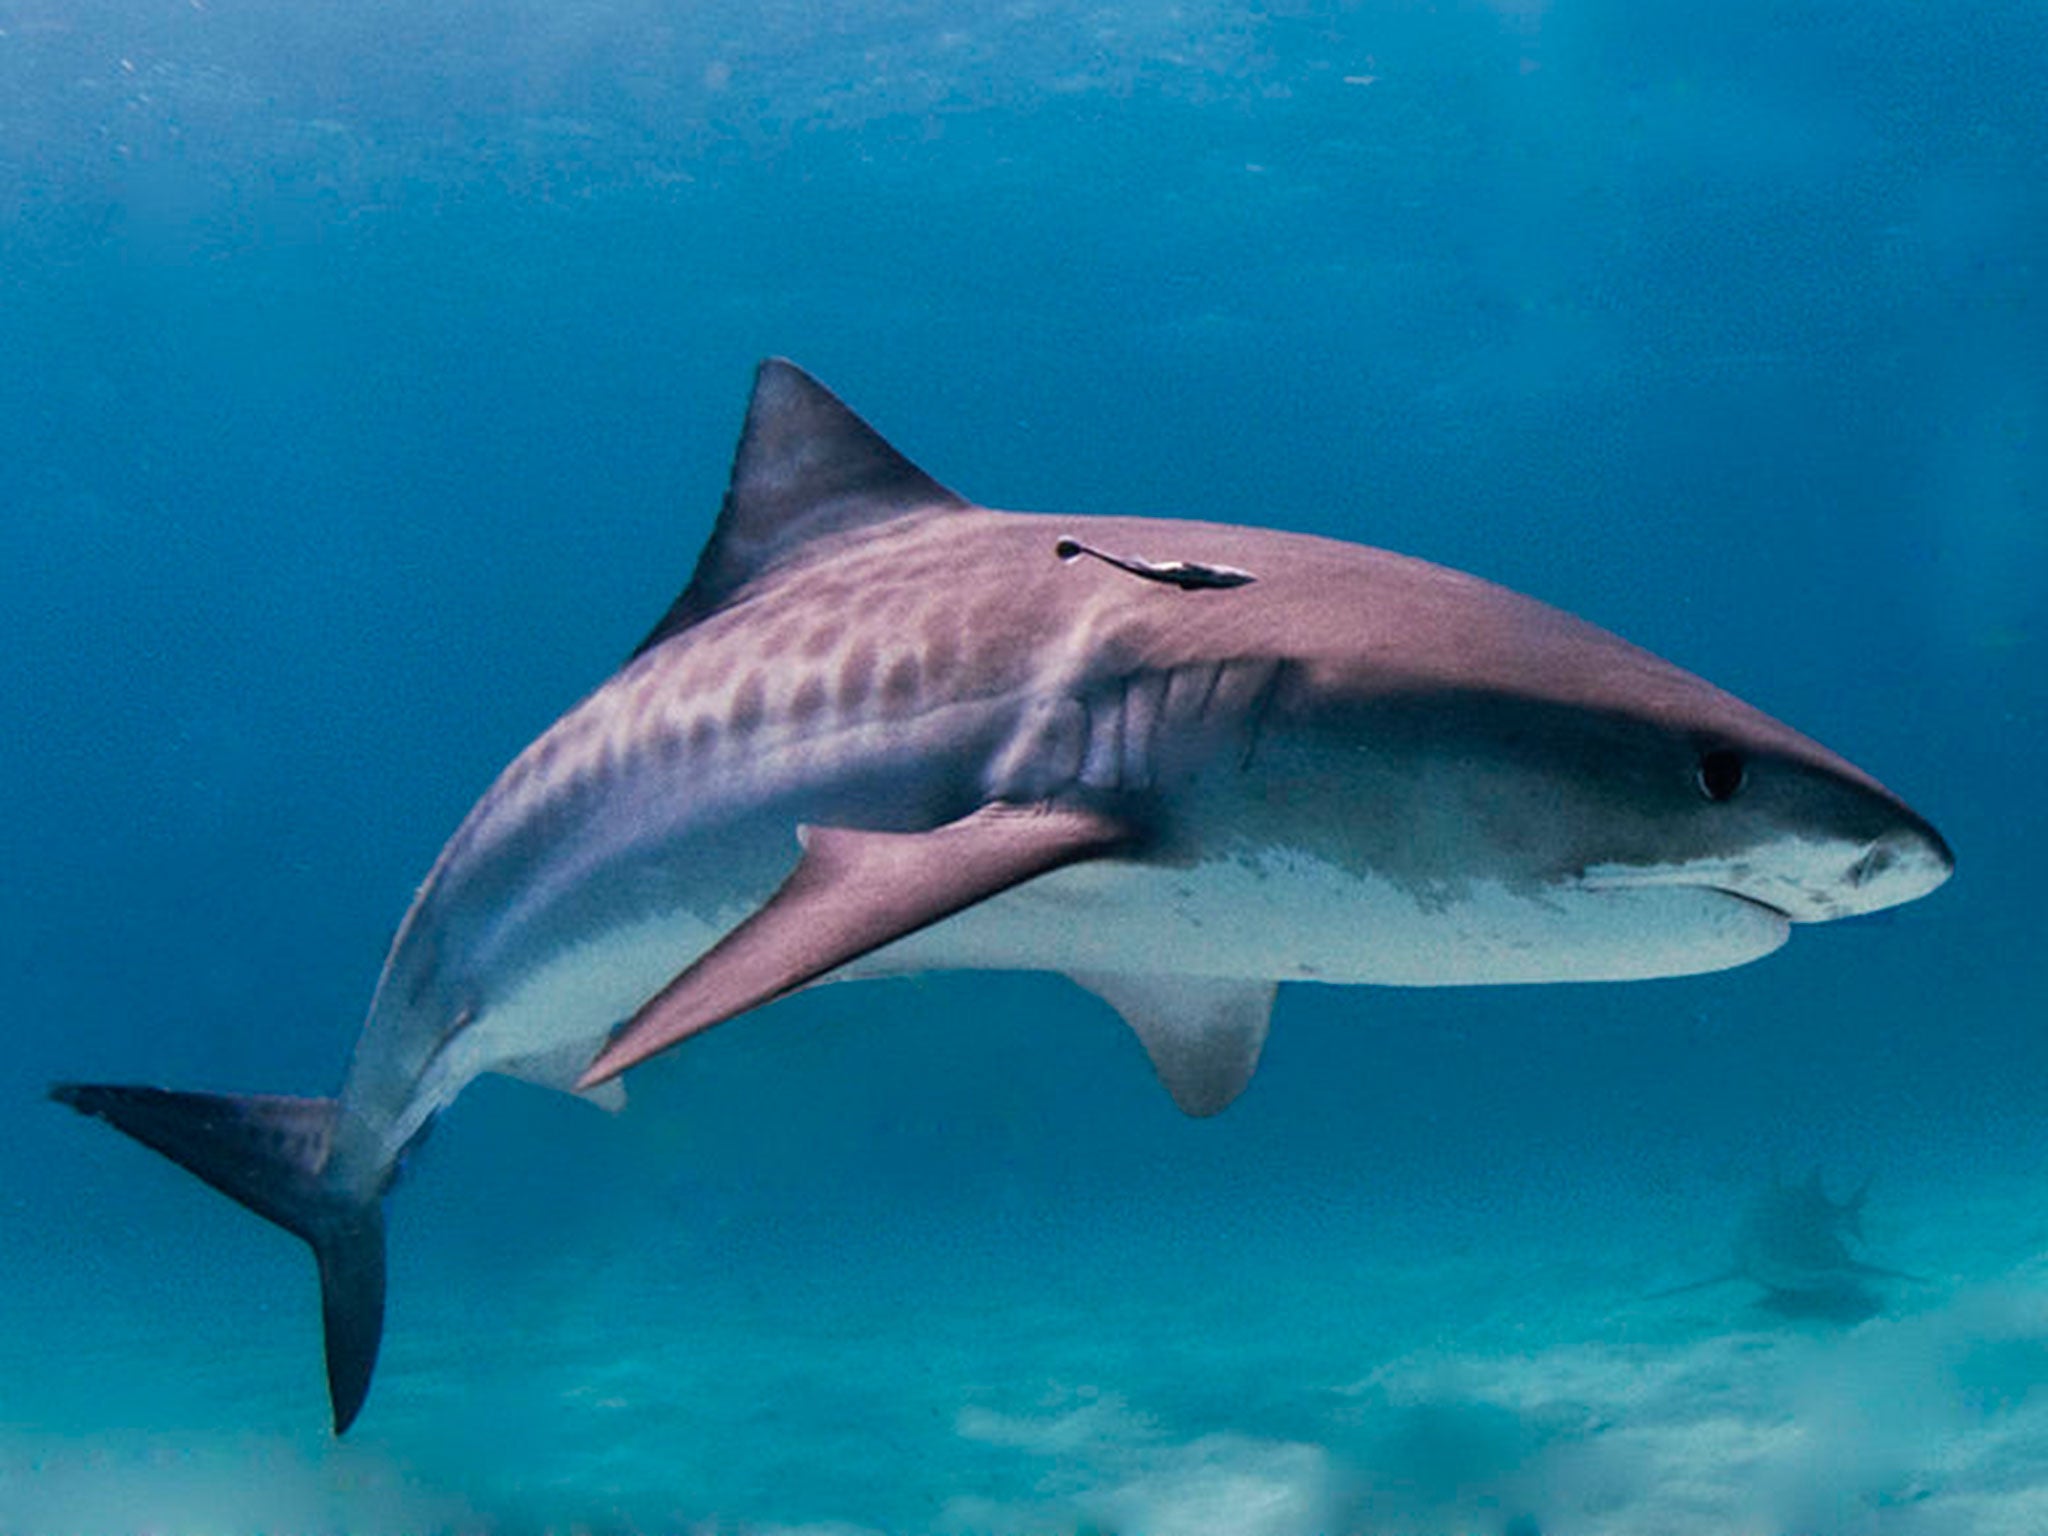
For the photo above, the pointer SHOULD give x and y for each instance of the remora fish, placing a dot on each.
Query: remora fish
(884, 730)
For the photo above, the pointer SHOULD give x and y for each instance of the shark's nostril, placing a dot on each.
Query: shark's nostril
(1880, 857)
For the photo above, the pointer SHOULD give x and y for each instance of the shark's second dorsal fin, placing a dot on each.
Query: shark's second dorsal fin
(806, 467)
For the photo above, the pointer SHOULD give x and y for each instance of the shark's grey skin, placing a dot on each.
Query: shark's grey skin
(1181, 762)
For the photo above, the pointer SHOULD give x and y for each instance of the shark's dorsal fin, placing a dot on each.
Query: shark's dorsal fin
(806, 467)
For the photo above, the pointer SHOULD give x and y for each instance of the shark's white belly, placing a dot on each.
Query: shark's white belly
(1285, 915)
(1276, 914)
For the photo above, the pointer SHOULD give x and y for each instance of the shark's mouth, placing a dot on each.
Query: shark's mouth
(1676, 881)
(1735, 879)
(1713, 887)
(1755, 901)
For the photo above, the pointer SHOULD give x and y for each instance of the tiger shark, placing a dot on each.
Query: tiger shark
(884, 730)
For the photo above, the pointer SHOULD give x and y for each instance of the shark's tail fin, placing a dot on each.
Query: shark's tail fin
(268, 1152)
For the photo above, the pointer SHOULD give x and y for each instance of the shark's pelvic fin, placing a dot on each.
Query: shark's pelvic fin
(806, 467)
(559, 1067)
(853, 892)
(267, 1152)
(1203, 1033)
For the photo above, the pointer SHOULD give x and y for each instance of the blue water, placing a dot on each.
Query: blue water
(367, 383)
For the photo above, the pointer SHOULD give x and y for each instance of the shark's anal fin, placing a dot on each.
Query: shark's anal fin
(1204, 1034)
(268, 1152)
(853, 892)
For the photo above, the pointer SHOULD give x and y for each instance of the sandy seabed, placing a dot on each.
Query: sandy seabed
(1298, 1374)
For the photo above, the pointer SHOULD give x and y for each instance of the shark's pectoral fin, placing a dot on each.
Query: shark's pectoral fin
(853, 892)
(1203, 1033)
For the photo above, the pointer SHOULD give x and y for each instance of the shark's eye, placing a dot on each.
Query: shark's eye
(1721, 774)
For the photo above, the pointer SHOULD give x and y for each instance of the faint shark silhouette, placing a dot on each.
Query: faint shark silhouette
(1794, 1241)
(885, 730)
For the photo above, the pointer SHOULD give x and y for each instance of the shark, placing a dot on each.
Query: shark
(884, 729)
(1797, 1243)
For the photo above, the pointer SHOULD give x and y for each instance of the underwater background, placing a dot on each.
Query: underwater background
(368, 377)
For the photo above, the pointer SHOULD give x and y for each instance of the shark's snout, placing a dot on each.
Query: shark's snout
(1819, 882)
(1901, 866)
